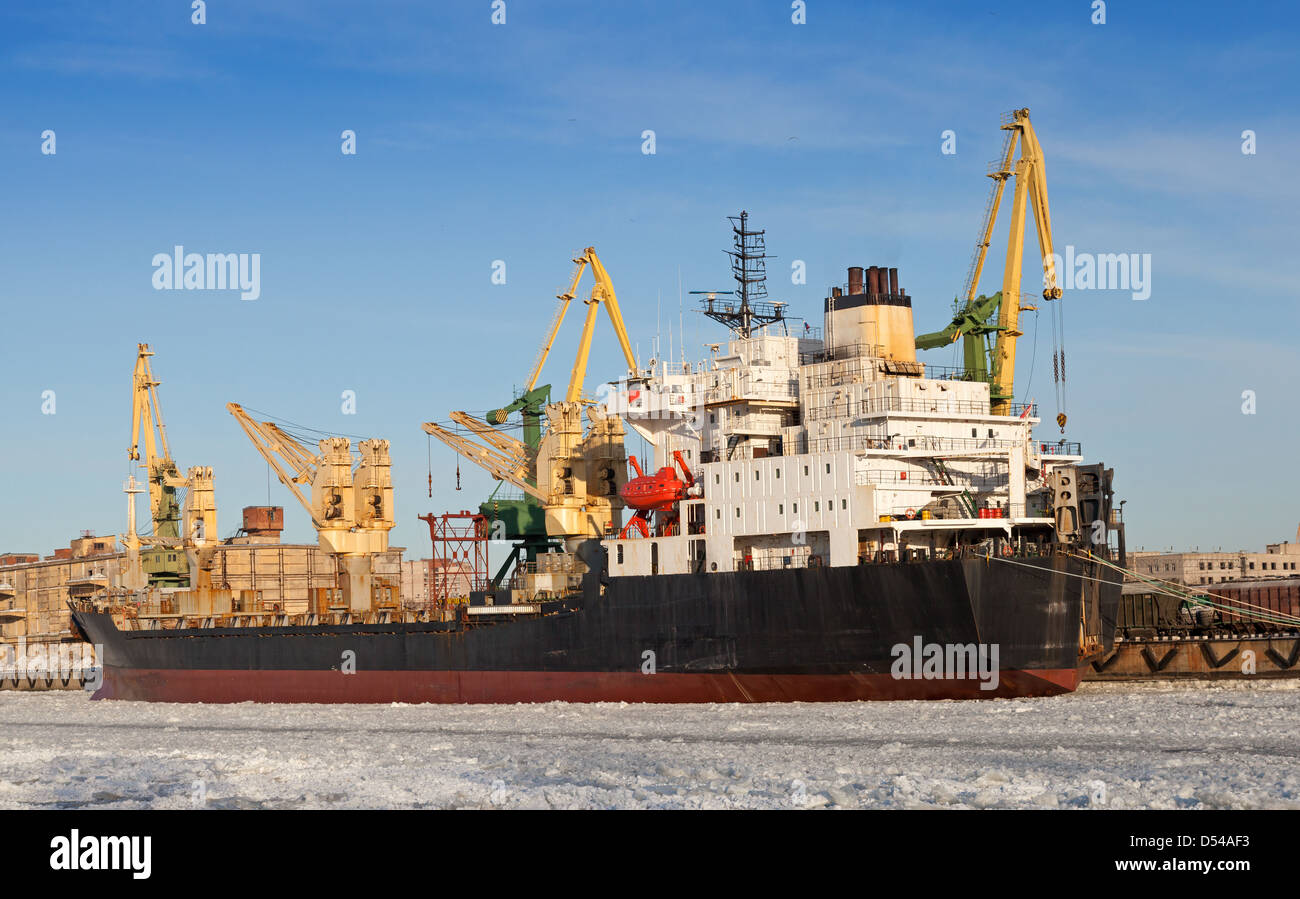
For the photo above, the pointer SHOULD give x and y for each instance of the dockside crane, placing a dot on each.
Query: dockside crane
(351, 509)
(570, 480)
(974, 318)
(183, 536)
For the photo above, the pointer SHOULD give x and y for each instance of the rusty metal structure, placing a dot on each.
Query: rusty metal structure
(460, 556)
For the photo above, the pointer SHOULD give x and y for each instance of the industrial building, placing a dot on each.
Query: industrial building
(1192, 569)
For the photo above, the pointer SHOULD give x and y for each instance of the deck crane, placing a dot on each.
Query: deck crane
(183, 537)
(352, 510)
(570, 479)
(1030, 172)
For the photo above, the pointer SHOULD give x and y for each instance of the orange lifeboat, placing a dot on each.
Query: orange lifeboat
(659, 492)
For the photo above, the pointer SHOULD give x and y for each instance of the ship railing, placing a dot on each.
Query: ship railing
(1062, 448)
(905, 444)
(1025, 550)
(846, 351)
(995, 510)
(962, 481)
(751, 390)
(950, 373)
(777, 562)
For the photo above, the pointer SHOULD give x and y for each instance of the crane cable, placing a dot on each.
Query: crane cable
(1058, 359)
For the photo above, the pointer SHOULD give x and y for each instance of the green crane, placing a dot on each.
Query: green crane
(523, 520)
(974, 323)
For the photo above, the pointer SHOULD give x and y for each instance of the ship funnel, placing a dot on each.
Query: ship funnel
(855, 280)
(874, 318)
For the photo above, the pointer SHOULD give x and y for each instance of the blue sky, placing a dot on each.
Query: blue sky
(522, 142)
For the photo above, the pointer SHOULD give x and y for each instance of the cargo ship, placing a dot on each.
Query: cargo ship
(824, 518)
(845, 526)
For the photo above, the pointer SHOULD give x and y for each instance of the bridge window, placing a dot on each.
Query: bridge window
(620, 554)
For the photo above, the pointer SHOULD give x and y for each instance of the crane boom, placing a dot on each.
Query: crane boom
(558, 319)
(497, 464)
(1030, 172)
(274, 445)
(515, 450)
(601, 292)
(163, 476)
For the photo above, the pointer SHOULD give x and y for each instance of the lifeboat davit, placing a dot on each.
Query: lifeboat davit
(658, 492)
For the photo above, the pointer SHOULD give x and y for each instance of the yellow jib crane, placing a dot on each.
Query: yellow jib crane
(180, 534)
(352, 510)
(1030, 172)
(601, 292)
(572, 478)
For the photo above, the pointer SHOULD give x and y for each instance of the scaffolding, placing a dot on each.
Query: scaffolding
(460, 556)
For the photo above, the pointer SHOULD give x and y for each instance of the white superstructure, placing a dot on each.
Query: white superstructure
(837, 451)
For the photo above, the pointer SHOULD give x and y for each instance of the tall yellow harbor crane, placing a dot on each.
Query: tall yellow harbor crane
(183, 537)
(572, 477)
(1030, 173)
(351, 509)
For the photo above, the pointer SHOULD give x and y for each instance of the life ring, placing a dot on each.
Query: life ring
(911, 513)
(1006, 551)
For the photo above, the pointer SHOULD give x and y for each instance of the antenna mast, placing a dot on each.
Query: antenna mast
(749, 268)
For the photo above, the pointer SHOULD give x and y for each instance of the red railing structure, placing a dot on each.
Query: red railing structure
(460, 555)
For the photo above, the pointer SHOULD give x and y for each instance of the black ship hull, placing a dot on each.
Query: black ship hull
(814, 634)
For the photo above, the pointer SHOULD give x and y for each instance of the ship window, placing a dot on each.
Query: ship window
(805, 471)
(817, 507)
(828, 468)
(795, 507)
(990, 432)
(844, 504)
(718, 514)
(713, 418)
(737, 511)
(778, 474)
(756, 475)
(780, 508)
(620, 554)
(717, 479)
(973, 432)
(737, 477)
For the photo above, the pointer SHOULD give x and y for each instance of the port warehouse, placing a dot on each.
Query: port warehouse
(35, 591)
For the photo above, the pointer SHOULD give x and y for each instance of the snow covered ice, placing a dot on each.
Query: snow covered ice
(1148, 745)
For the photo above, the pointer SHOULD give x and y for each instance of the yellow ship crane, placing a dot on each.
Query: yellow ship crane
(602, 292)
(179, 534)
(1030, 172)
(352, 510)
(572, 477)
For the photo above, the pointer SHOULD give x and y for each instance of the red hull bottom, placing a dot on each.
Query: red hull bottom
(554, 686)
